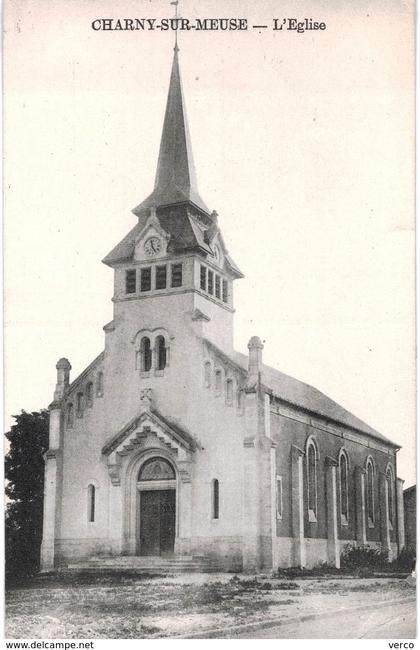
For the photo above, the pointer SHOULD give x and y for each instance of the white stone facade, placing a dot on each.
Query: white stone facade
(170, 386)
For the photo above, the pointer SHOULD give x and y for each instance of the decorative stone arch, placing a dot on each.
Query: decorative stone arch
(153, 336)
(146, 435)
(132, 487)
(312, 463)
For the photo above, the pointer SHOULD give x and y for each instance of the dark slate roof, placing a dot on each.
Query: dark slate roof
(175, 180)
(183, 231)
(304, 396)
(185, 234)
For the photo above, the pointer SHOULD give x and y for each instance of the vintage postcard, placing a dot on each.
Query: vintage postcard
(209, 319)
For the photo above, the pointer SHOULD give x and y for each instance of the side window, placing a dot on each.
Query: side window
(79, 405)
(343, 469)
(70, 415)
(91, 503)
(207, 374)
(229, 391)
(370, 497)
(279, 497)
(100, 384)
(215, 498)
(89, 394)
(218, 381)
(239, 400)
(391, 495)
(311, 475)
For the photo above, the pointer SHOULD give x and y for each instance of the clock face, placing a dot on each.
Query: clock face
(152, 246)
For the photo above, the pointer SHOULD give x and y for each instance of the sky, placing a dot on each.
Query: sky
(303, 143)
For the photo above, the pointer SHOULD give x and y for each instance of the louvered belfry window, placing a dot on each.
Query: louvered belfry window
(176, 275)
(161, 277)
(130, 281)
(203, 278)
(210, 282)
(146, 279)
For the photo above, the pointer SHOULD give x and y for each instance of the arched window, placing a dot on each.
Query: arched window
(370, 498)
(207, 374)
(156, 469)
(218, 381)
(215, 498)
(70, 415)
(89, 394)
(239, 399)
(91, 503)
(229, 391)
(100, 384)
(160, 351)
(279, 497)
(145, 354)
(311, 475)
(391, 494)
(79, 405)
(343, 468)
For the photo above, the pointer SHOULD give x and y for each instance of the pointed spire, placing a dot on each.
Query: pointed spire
(175, 180)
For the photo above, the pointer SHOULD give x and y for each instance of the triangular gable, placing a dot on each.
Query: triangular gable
(149, 421)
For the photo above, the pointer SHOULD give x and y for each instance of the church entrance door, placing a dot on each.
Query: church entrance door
(157, 522)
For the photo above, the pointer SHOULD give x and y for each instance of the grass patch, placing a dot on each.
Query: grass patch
(79, 579)
(255, 584)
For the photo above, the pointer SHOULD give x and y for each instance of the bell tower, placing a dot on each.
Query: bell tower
(176, 247)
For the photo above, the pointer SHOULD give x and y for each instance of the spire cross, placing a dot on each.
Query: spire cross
(176, 3)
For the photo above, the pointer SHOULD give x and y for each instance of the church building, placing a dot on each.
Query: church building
(173, 445)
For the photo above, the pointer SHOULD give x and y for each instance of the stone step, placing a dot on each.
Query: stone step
(146, 564)
(140, 563)
(88, 568)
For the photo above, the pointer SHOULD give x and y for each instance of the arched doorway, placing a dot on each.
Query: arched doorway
(156, 507)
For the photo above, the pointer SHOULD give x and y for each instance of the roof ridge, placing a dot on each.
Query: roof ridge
(83, 374)
(325, 410)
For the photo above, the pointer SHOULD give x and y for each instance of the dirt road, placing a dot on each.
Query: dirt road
(387, 622)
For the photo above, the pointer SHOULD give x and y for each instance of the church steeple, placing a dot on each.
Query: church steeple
(175, 180)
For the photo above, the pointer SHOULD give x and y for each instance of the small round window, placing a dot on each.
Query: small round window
(156, 469)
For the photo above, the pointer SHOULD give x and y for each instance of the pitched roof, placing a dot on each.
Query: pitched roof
(175, 180)
(182, 229)
(305, 397)
(185, 234)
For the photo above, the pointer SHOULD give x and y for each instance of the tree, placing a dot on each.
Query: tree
(24, 473)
